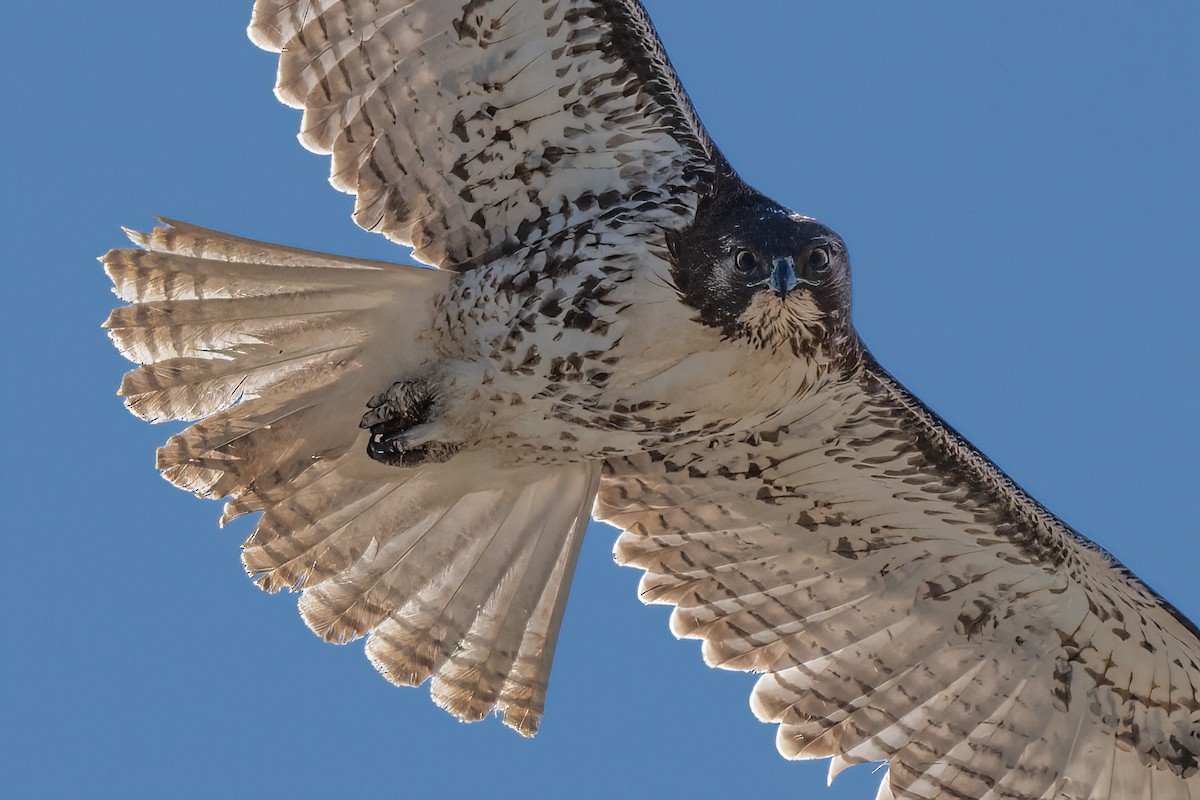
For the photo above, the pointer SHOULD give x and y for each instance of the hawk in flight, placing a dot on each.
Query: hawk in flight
(618, 326)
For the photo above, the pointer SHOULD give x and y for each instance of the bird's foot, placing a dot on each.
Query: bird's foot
(403, 433)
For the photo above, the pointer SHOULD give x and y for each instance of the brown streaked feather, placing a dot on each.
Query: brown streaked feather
(907, 602)
(470, 129)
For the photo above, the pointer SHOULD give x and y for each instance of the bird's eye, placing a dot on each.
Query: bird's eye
(818, 259)
(746, 262)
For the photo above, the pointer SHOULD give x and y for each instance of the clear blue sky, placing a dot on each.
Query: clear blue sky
(1020, 190)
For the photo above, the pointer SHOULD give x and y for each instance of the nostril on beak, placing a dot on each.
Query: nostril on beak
(783, 276)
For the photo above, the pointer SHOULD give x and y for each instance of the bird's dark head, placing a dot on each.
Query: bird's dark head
(761, 273)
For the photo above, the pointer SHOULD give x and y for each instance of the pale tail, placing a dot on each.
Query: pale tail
(457, 571)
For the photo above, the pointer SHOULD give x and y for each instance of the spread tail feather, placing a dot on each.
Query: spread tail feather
(276, 349)
(457, 571)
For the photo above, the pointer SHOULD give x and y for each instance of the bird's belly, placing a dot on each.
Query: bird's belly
(645, 375)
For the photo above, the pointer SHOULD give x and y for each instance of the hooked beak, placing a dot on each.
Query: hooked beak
(783, 277)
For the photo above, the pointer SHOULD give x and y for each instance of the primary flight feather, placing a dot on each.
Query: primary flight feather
(620, 326)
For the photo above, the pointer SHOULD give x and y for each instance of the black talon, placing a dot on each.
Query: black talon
(395, 412)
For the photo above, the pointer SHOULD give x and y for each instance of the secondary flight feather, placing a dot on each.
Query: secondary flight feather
(620, 326)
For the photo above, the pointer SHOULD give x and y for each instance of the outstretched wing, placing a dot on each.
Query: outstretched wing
(908, 602)
(468, 128)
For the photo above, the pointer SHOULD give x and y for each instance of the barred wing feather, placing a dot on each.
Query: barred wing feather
(906, 602)
(468, 129)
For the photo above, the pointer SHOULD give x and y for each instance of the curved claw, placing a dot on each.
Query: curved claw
(401, 432)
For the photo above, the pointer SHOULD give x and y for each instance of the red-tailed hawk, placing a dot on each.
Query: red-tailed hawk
(620, 326)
